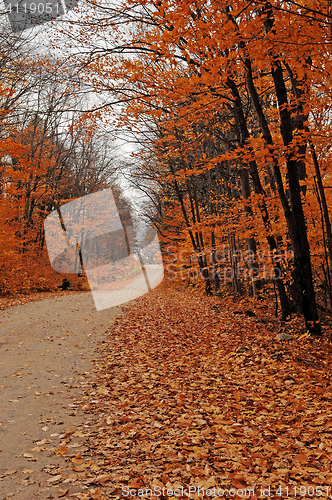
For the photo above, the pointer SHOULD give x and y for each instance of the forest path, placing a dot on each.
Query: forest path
(46, 353)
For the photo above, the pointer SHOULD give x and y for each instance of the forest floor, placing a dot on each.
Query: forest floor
(182, 395)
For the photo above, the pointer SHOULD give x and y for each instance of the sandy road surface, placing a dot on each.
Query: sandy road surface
(135, 288)
(46, 349)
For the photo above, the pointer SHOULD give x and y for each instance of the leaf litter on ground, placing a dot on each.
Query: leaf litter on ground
(187, 393)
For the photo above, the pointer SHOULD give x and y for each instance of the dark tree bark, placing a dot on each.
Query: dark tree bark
(196, 246)
(253, 170)
(299, 238)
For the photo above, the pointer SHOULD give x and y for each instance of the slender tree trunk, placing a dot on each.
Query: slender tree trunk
(284, 302)
(294, 211)
(322, 196)
(300, 124)
(327, 275)
(299, 237)
(204, 270)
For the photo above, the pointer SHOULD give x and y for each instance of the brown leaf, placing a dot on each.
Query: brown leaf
(80, 468)
(62, 493)
(77, 459)
(239, 483)
(9, 472)
(184, 422)
(61, 451)
(68, 433)
(38, 448)
(197, 471)
(127, 427)
(301, 457)
(55, 479)
(79, 434)
(103, 478)
(135, 483)
(164, 478)
(155, 483)
(237, 397)
(200, 452)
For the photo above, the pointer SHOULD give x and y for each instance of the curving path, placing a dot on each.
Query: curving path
(46, 353)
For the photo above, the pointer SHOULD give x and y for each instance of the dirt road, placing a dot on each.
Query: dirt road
(46, 353)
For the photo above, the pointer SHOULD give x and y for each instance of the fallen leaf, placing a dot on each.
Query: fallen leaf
(301, 457)
(103, 478)
(62, 493)
(80, 468)
(43, 441)
(61, 451)
(164, 478)
(69, 433)
(135, 483)
(155, 483)
(77, 459)
(55, 479)
(239, 483)
(127, 427)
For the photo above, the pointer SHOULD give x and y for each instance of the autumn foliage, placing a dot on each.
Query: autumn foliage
(230, 107)
(48, 156)
(230, 103)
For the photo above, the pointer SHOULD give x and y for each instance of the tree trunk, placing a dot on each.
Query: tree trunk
(204, 270)
(298, 233)
(284, 302)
